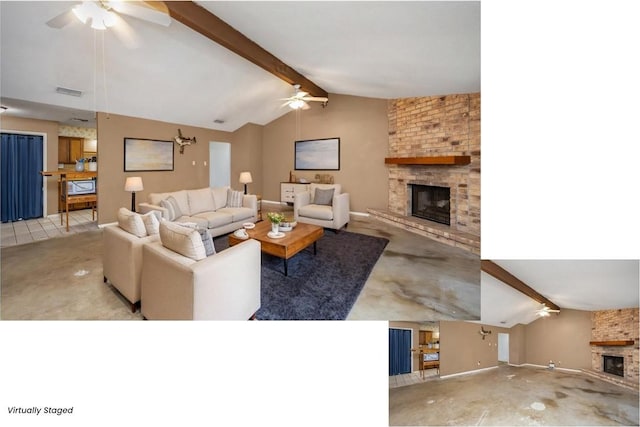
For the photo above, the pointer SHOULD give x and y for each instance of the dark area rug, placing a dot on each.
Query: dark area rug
(319, 287)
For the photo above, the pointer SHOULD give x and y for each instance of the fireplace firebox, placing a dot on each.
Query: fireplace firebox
(613, 365)
(431, 202)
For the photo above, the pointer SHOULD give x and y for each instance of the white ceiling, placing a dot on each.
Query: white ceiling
(370, 49)
(589, 285)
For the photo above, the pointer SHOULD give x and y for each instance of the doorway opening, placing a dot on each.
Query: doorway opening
(219, 164)
(503, 348)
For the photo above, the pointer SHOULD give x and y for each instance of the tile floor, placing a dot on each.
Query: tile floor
(19, 232)
(403, 380)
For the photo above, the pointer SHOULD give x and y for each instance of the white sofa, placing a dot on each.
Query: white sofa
(332, 213)
(207, 207)
(192, 286)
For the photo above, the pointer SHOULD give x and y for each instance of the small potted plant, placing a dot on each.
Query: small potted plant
(275, 218)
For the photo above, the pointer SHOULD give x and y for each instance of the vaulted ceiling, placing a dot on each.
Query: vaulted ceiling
(369, 49)
(589, 285)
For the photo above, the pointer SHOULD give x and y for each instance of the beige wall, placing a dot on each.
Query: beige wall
(415, 340)
(362, 126)
(50, 129)
(563, 338)
(246, 155)
(462, 348)
(112, 129)
(517, 345)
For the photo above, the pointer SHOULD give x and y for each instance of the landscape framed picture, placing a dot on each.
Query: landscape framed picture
(147, 155)
(318, 154)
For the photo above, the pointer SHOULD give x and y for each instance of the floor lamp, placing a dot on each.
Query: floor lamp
(133, 184)
(245, 178)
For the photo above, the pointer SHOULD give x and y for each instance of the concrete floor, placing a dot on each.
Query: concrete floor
(415, 279)
(514, 396)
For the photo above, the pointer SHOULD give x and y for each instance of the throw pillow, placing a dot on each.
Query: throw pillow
(185, 241)
(207, 241)
(131, 222)
(171, 205)
(323, 197)
(151, 223)
(234, 198)
(200, 201)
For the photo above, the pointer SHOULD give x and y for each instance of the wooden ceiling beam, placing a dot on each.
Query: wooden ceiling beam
(209, 25)
(507, 278)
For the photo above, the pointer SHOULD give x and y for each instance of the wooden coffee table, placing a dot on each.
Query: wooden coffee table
(285, 247)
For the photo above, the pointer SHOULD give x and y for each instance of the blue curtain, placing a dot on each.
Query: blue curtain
(20, 179)
(399, 351)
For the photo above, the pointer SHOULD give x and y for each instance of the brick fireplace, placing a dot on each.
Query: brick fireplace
(440, 127)
(614, 345)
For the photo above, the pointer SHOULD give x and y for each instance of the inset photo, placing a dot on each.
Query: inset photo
(557, 344)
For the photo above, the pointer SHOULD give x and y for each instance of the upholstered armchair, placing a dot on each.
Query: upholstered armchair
(324, 205)
(222, 286)
(122, 261)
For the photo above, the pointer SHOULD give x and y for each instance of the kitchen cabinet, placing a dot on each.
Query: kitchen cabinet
(425, 337)
(70, 149)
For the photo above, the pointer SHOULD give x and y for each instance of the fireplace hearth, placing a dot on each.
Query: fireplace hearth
(613, 365)
(431, 203)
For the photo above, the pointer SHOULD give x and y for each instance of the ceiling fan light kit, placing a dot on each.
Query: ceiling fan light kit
(299, 99)
(100, 16)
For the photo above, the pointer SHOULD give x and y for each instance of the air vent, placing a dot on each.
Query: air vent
(67, 91)
(218, 121)
(78, 119)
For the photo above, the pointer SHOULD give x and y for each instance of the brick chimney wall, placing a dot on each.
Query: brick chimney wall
(437, 126)
(616, 325)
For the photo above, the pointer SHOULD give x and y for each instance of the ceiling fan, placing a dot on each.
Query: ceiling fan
(104, 14)
(545, 311)
(299, 99)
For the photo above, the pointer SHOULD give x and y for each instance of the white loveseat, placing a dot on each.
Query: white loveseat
(207, 207)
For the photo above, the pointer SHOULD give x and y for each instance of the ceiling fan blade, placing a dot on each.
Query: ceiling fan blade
(315, 98)
(62, 20)
(142, 11)
(285, 104)
(300, 94)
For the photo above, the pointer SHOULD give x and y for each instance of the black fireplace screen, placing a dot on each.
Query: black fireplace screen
(613, 365)
(432, 203)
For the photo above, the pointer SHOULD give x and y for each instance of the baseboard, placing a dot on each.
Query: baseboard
(547, 367)
(475, 371)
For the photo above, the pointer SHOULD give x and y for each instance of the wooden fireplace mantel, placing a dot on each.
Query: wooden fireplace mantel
(432, 160)
(619, 343)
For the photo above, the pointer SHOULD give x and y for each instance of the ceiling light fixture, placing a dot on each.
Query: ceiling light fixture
(100, 16)
(295, 104)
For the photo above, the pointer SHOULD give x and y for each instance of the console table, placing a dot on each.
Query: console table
(64, 200)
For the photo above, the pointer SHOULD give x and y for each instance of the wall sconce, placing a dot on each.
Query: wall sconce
(245, 178)
(133, 184)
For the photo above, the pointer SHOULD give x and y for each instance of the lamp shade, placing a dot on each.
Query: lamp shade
(245, 178)
(133, 183)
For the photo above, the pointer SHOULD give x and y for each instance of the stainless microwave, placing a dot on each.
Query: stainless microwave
(87, 186)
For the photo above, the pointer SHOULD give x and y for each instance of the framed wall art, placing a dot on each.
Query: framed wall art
(147, 155)
(318, 154)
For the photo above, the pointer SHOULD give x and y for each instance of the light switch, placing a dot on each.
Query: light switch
(193, 163)
(205, 163)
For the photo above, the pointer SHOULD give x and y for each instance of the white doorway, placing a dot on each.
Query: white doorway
(219, 164)
(503, 348)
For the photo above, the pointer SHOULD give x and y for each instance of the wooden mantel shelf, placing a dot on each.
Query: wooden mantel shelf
(612, 343)
(433, 160)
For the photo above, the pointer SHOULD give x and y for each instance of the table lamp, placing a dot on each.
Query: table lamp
(133, 184)
(245, 178)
